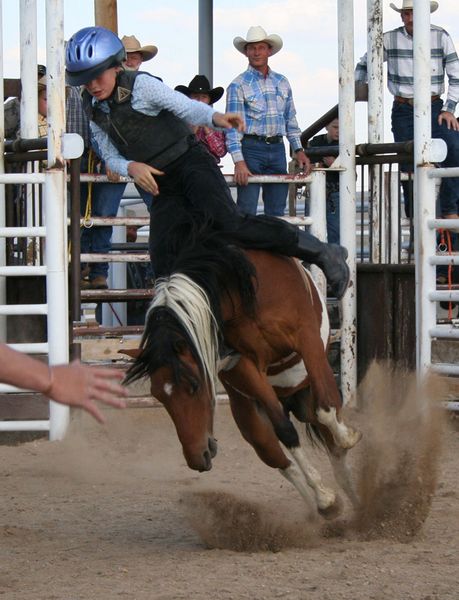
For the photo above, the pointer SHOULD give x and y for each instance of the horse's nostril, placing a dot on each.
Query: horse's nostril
(207, 461)
(212, 447)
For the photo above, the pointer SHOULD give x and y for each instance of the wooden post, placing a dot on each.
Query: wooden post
(105, 14)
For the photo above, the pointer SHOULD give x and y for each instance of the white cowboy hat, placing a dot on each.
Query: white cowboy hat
(132, 44)
(408, 5)
(258, 34)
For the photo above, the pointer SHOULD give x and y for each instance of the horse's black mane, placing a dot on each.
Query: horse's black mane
(219, 267)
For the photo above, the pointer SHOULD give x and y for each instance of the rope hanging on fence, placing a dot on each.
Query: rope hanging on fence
(87, 221)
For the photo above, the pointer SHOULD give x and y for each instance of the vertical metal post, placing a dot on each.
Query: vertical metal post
(318, 215)
(395, 217)
(347, 191)
(56, 208)
(424, 187)
(206, 39)
(29, 93)
(119, 272)
(375, 119)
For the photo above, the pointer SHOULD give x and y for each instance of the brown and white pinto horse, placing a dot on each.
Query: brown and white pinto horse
(265, 311)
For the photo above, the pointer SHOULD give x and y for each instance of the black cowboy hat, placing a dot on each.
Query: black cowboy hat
(200, 85)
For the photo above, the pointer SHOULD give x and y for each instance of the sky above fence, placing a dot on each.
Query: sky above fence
(308, 28)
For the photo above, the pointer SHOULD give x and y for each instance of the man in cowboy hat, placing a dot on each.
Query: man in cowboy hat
(199, 89)
(398, 51)
(264, 98)
(135, 53)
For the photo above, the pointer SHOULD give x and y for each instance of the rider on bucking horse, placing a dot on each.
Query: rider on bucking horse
(140, 127)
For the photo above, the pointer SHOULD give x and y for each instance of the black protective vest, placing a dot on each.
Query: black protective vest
(157, 141)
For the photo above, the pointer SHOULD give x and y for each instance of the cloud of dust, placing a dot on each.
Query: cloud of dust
(394, 467)
(399, 453)
(226, 521)
(122, 450)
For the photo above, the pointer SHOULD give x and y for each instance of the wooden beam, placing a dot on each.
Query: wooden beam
(23, 406)
(106, 15)
(12, 87)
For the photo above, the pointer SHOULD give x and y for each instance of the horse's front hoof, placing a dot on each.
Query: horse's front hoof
(332, 511)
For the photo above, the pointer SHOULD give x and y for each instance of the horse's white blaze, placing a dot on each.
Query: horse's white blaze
(294, 475)
(168, 387)
(344, 436)
(325, 497)
(291, 377)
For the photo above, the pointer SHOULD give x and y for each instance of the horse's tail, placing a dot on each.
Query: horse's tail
(315, 436)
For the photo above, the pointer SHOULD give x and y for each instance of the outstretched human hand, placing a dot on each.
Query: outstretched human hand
(228, 120)
(143, 176)
(82, 386)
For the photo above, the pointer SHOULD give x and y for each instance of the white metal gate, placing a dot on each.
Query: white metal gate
(53, 182)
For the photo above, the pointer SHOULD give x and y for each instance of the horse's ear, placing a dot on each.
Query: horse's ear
(133, 352)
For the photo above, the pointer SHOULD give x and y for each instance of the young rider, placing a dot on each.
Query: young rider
(141, 129)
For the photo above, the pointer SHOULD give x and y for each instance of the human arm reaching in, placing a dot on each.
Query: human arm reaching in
(72, 384)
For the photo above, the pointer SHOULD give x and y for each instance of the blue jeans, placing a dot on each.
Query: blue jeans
(403, 130)
(263, 159)
(106, 198)
(333, 218)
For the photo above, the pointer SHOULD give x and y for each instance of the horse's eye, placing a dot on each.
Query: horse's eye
(179, 346)
(194, 387)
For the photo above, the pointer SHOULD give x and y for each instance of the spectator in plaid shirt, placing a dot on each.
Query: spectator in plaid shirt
(398, 51)
(199, 89)
(264, 99)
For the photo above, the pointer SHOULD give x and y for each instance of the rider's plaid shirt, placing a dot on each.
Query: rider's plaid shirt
(266, 104)
(398, 52)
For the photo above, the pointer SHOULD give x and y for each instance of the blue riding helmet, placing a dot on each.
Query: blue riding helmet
(89, 52)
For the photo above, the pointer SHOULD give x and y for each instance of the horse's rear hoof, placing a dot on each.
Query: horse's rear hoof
(352, 438)
(333, 510)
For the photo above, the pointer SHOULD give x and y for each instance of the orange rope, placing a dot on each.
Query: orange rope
(445, 242)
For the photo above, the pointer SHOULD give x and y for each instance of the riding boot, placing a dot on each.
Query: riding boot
(331, 258)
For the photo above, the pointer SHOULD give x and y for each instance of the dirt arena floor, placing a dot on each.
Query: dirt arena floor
(113, 512)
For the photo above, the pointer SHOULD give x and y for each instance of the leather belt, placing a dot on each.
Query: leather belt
(273, 139)
(410, 101)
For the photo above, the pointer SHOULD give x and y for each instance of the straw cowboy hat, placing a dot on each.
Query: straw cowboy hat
(408, 5)
(132, 44)
(200, 85)
(258, 34)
